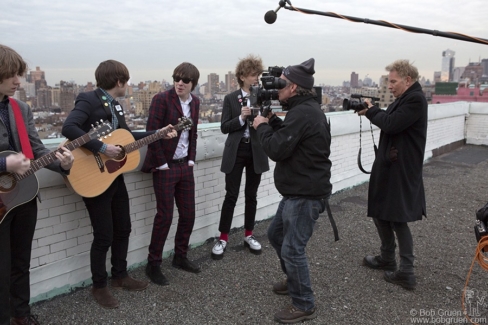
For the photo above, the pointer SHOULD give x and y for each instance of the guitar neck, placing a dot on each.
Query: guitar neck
(51, 157)
(147, 140)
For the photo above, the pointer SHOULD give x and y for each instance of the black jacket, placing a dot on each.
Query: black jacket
(396, 189)
(231, 125)
(300, 146)
(88, 111)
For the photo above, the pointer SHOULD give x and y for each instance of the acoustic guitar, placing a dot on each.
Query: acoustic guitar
(16, 189)
(92, 174)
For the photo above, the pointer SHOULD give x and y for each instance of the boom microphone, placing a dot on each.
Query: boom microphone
(270, 16)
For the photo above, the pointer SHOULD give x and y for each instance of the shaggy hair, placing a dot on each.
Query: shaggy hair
(404, 69)
(11, 63)
(248, 66)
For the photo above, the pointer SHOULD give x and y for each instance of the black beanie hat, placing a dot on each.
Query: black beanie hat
(302, 74)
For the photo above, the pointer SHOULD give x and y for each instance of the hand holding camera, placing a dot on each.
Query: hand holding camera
(258, 120)
(245, 112)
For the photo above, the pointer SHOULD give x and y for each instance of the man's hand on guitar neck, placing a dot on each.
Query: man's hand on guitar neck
(112, 151)
(168, 132)
(17, 163)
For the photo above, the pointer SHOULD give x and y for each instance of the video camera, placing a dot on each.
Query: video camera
(271, 83)
(261, 96)
(356, 103)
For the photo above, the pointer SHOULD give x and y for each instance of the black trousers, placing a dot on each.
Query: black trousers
(16, 234)
(387, 231)
(110, 218)
(232, 185)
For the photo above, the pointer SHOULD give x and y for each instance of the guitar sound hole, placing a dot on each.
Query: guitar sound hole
(7, 182)
(121, 155)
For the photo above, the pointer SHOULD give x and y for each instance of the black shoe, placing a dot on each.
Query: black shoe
(377, 263)
(26, 320)
(154, 273)
(406, 280)
(185, 264)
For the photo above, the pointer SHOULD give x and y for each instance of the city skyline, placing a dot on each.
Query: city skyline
(153, 38)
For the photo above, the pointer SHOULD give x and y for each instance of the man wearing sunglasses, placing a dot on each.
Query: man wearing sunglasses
(171, 164)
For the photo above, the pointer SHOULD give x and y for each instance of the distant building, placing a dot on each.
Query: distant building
(464, 92)
(44, 98)
(384, 94)
(367, 82)
(37, 77)
(143, 95)
(437, 76)
(473, 72)
(457, 73)
(484, 65)
(231, 82)
(213, 84)
(67, 95)
(354, 80)
(447, 65)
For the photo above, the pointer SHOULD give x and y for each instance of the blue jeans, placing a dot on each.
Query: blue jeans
(289, 233)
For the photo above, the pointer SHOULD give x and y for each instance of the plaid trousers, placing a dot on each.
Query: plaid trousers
(176, 184)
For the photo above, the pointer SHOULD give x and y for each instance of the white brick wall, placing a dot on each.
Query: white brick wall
(60, 249)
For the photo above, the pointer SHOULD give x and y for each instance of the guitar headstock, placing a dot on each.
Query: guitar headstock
(99, 130)
(184, 124)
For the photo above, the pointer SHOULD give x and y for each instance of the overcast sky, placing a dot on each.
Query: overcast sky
(68, 39)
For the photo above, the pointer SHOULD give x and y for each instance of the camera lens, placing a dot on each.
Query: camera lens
(273, 83)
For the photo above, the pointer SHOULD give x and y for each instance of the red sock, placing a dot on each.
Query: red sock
(248, 233)
(224, 237)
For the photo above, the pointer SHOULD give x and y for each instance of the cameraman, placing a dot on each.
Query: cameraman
(396, 190)
(300, 146)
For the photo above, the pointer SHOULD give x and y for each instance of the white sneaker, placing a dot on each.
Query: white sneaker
(219, 249)
(253, 244)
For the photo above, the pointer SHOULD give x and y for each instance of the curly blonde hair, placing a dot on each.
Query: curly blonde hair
(250, 65)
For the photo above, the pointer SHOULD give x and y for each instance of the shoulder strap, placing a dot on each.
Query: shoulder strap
(22, 131)
(332, 221)
(106, 106)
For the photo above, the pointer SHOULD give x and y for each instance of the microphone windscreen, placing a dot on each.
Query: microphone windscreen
(270, 17)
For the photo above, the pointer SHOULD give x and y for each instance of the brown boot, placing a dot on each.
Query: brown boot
(129, 283)
(26, 320)
(104, 298)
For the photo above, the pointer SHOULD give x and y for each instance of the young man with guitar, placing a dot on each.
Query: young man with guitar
(172, 163)
(20, 143)
(109, 211)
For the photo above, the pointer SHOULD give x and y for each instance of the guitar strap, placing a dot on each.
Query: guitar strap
(22, 132)
(119, 112)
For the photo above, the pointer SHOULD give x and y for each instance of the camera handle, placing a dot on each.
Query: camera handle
(266, 108)
(359, 152)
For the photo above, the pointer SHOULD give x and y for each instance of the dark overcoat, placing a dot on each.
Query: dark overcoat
(230, 124)
(396, 189)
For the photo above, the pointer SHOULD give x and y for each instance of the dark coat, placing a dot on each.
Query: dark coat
(396, 189)
(300, 145)
(38, 148)
(231, 125)
(166, 109)
(88, 111)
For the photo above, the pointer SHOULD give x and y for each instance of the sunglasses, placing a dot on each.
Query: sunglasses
(185, 80)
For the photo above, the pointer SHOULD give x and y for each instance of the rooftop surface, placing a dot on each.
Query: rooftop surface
(237, 289)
